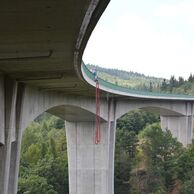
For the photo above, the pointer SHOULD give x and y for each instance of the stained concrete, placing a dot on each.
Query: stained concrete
(91, 167)
(180, 127)
(88, 163)
(9, 130)
(42, 43)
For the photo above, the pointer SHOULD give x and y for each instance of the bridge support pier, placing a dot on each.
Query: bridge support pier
(9, 156)
(180, 127)
(91, 166)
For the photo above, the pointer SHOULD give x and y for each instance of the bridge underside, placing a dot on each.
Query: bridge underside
(91, 167)
(41, 47)
(42, 42)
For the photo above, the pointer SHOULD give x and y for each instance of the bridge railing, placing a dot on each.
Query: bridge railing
(118, 88)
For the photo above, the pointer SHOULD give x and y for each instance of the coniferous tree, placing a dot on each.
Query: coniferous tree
(164, 85)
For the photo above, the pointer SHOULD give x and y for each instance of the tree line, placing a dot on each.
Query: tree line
(180, 85)
(134, 80)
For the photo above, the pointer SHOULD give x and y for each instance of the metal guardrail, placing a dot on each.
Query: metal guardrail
(132, 91)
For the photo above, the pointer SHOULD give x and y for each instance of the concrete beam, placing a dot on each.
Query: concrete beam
(180, 127)
(162, 107)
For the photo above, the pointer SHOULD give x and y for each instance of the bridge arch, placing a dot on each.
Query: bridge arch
(162, 108)
(71, 108)
(82, 150)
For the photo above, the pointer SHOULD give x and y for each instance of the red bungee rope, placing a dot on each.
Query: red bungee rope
(97, 137)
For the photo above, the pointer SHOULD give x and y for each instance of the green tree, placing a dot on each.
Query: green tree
(53, 147)
(164, 85)
(150, 87)
(191, 78)
(55, 170)
(185, 164)
(181, 81)
(162, 151)
(173, 81)
(44, 158)
(136, 120)
(188, 187)
(127, 141)
(32, 154)
(34, 184)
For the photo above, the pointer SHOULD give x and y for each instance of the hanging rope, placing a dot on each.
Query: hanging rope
(97, 136)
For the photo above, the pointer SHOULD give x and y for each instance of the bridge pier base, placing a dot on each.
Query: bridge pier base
(91, 166)
(180, 127)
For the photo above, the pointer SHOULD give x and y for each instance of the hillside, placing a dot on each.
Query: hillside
(130, 79)
(140, 81)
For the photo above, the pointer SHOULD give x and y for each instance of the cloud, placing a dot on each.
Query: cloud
(133, 43)
(181, 9)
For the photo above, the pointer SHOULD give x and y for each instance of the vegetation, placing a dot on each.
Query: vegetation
(44, 167)
(139, 81)
(127, 141)
(179, 86)
(147, 159)
(130, 79)
(151, 161)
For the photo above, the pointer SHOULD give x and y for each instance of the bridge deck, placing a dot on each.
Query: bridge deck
(42, 43)
(132, 93)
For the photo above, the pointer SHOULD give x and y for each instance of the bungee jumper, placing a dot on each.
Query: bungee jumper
(94, 72)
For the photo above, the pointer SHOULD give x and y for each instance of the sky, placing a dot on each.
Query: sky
(154, 37)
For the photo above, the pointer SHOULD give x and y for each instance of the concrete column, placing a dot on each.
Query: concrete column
(111, 151)
(91, 166)
(2, 111)
(180, 127)
(10, 93)
(16, 145)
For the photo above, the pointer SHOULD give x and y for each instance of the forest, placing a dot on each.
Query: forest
(139, 81)
(132, 80)
(147, 159)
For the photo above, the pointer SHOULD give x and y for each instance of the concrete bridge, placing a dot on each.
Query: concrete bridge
(41, 44)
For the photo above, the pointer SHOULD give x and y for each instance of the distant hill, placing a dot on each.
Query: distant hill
(130, 79)
(121, 73)
(140, 81)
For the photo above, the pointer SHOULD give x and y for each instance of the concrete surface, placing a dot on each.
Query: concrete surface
(41, 45)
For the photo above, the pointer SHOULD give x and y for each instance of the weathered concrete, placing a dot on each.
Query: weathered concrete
(91, 167)
(180, 127)
(40, 70)
(161, 107)
(16, 145)
(24, 104)
(41, 46)
(175, 115)
(2, 111)
(89, 164)
(9, 130)
(42, 42)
